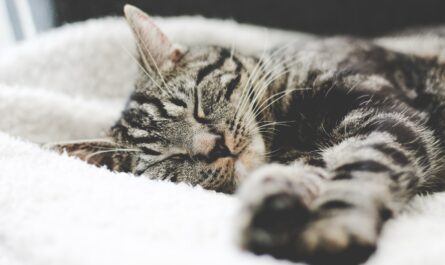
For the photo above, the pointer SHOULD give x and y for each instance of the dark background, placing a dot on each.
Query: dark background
(359, 17)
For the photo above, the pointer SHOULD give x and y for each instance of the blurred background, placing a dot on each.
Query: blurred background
(22, 19)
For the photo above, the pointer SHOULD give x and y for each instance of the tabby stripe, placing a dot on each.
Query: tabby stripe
(166, 174)
(123, 132)
(149, 151)
(239, 64)
(403, 133)
(234, 83)
(144, 99)
(146, 139)
(365, 165)
(251, 94)
(139, 172)
(231, 86)
(126, 163)
(174, 177)
(223, 55)
(134, 118)
(342, 176)
(107, 161)
(135, 122)
(283, 87)
(316, 161)
(396, 155)
(131, 139)
(195, 109)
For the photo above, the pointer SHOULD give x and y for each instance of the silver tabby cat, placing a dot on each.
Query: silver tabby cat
(324, 141)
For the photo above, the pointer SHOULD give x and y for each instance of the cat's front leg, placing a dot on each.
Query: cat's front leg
(276, 201)
(376, 163)
(305, 213)
(295, 212)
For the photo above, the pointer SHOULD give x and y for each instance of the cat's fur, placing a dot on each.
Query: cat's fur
(328, 139)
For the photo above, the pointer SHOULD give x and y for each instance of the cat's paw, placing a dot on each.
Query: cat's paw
(276, 201)
(342, 239)
(343, 228)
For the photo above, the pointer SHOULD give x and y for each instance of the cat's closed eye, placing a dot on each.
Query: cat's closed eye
(178, 102)
(179, 157)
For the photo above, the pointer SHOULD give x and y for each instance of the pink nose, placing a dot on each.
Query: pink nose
(210, 145)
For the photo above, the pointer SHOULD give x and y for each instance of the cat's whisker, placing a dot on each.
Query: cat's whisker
(272, 152)
(285, 93)
(277, 123)
(232, 49)
(268, 133)
(243, 97)
(272, 124)
(260, 66)
(264, 88)
(261, 108)
(249, 90)
(80, 141)
(266, 122)
(273, 67)
(268, 78)
(267, 84)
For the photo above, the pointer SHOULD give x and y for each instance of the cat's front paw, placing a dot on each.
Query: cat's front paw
(347, 239)
(344, 226)
(276, 201)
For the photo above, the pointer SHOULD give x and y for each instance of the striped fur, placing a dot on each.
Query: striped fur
(371, 123)
(339, 133)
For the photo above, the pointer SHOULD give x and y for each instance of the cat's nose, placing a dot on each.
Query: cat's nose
(211, 146)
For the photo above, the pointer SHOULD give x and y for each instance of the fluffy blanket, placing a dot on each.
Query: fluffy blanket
(71, 84)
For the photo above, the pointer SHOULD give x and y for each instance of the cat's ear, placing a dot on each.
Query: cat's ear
(97, 152)
(154, 46)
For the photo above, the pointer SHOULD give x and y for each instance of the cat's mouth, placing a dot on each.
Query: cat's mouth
(243, 163)
(249, 158)
(242, 160)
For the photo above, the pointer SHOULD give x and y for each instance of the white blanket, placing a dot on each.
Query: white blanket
(71, 84)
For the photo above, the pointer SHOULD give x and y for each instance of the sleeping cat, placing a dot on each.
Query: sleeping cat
(324, 141)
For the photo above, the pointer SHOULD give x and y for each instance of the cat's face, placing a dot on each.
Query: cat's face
(190, 116)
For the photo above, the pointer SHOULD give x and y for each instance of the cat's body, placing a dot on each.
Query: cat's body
(328, 139)
(370, 126)
(326, 81)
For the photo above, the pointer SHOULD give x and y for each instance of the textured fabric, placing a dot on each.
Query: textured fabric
(71, 84)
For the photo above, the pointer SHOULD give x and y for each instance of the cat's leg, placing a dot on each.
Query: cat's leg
(102, 152)
(276, 202)
(375, 163)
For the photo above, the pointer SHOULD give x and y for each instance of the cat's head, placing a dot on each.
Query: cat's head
(190, 117)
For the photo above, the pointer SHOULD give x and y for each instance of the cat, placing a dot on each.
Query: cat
(323, 141)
